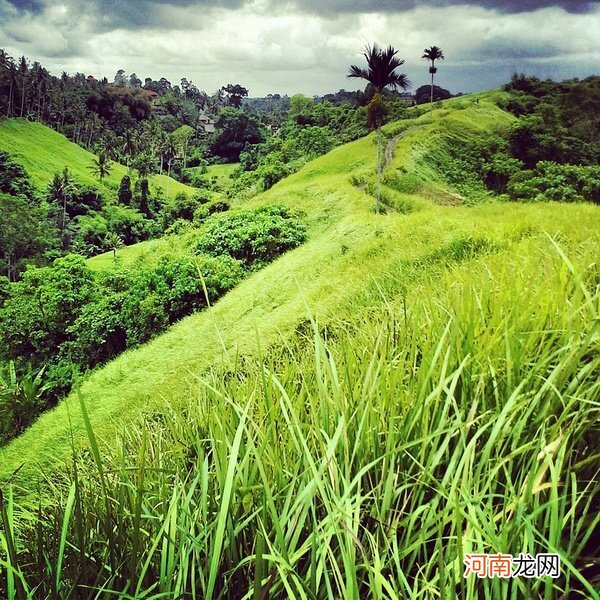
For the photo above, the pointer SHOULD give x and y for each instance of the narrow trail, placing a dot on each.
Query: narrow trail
(391, 145)
(389, 149)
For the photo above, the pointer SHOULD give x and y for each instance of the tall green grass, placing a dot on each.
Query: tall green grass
(361, 458)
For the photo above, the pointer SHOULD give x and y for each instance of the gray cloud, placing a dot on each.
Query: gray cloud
(332, 7)
(297, 47)
(142, 12)
(128, 13)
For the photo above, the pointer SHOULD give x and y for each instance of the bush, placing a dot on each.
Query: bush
(205, 210)
(254, 237)
(551, 181)
(180, 207)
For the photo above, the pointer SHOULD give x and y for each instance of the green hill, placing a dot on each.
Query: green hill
(43, 152)
(338, 417)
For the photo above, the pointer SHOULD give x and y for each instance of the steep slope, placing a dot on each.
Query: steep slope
(351, 253)
(44, 152)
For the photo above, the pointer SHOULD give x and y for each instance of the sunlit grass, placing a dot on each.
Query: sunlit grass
(362, 459)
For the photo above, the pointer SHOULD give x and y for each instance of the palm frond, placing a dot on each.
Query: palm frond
(433, 53)
(382, 64)
(357, 72)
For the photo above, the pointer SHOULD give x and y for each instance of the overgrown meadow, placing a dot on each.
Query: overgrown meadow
(351, 419)
(362, 459)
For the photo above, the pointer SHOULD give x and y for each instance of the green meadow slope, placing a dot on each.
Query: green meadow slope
(352, 421)
(354, 261)
(44, 152)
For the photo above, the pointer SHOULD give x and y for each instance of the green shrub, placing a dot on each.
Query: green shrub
(254, 237)
(551, 181)
(204, 211)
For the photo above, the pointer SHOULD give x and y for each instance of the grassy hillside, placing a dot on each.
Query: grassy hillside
(147, 252)
(352, 419)
(44, 152)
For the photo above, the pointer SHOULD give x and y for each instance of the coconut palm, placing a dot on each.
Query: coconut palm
(432, 54)
(101, 166)
(13, 79)
(381, 73)
(24, 74)
(59, 191)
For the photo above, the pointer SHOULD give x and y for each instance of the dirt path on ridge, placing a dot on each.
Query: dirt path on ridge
(391, 145)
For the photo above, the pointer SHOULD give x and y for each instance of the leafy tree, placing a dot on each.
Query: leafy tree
(124, 193)
(128, 223)
(423, 94)
(14, 180)
(300, 108)
(120, 77)
(24, 232)
(144, 164)
(235, 129)
(35, 318)
(91, 230)
(135, 81)
(235, 93)
(381, 74)
(432, 54)
(181, 137)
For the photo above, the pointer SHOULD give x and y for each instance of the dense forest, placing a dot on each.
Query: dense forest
(152, 128)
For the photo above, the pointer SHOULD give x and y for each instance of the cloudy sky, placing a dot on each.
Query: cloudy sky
(306, 46)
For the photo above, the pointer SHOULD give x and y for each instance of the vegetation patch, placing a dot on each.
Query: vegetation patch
(64, 319)
(254, 237)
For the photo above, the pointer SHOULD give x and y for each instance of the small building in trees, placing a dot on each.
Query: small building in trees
(206, 122)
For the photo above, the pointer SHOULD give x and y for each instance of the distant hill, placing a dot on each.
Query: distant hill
(44, 152)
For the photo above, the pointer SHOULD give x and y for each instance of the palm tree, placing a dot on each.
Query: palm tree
(59, 191)
(101, 166)
(113, 241)
(381, 73)
(129, 145)
(24, 73)
(13, 79)
(434, 53)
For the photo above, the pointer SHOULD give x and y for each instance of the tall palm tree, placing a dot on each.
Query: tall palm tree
(381, 73)
(432, 54)
(13, 79)
(24, 73)
(59, 191)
